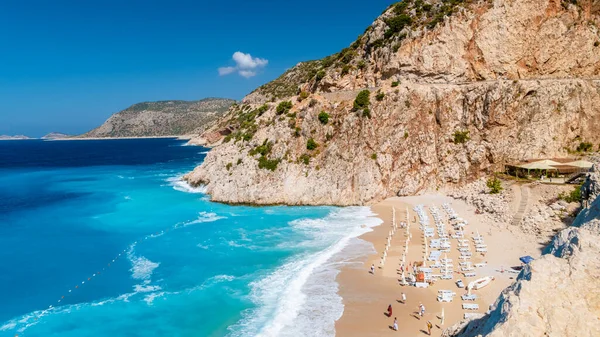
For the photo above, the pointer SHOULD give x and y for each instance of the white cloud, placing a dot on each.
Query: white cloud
(247, 73)
(245, 65)
(226, 70)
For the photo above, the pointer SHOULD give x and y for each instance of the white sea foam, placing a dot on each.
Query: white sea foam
(300, 298)
(141, 267)
(204, 152)
(204, 217)
(182, 186)
(8, 326)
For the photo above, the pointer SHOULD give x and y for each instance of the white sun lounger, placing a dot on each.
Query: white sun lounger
(425, 270)
(481, 250)
(464, 263)
(463, 249)
(472, 315)
(470, 274)
(464, 257)
(466, 254)
(480, 265)
(442, 291)
(480, 245)
(471, 297)
(421, 284)
(470, 306)
(465, 269)
(445, 298)
(436, 265)
(448, 276)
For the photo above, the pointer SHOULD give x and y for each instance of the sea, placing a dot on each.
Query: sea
(103, 238)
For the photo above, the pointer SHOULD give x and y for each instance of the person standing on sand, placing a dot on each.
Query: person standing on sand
(389, 310)
(403, 298)
(373, 269)
(421, 309)
(395, 326)
(429, 326)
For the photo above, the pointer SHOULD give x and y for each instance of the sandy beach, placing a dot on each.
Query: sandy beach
(367, 296)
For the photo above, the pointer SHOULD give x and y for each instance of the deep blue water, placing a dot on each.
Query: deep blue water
(183, 266)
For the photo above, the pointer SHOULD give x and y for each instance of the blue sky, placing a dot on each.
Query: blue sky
(66, 66)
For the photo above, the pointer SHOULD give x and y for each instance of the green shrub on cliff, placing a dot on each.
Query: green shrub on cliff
(311, 144)
(323, 117)
(494, 185)
(268, 164)
(461, 137)
(573, 196)
(585, 147)
(284, 107)
(362, 100)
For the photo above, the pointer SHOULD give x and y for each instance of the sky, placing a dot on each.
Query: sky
(66, 66)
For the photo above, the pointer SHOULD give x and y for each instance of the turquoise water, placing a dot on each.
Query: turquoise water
(136, 252)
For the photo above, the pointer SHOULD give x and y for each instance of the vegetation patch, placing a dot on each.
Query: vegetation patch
(395, 84)
(362, 100)
(495, 185)
(284, 107)
(573, 196)
(585, 147)
(461, 137)
(303, 95)
(323, 117)
(311, 144)
(304, 158)
(380, 96)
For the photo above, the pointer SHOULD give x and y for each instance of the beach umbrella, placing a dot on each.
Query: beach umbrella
(526, 259)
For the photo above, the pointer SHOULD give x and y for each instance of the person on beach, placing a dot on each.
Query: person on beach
(429, 326)
(403, 298)
(389, 310)
(373, 269)
(421, 310)
(395, 324)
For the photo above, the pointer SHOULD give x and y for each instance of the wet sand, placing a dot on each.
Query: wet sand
(367, 296)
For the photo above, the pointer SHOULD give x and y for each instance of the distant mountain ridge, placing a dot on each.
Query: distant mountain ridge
(15, 137)
(162, 118)
(56, 135)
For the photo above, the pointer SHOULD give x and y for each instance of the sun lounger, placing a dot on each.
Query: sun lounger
(436, 265)
(471, 297)
(470, 306)
(448, 276)
(442, 291)
(480, 245)
(463, 249)
(481, 250)
(480, 265)
(472, 315)
(464, 263)
(466, 254)
(465, 269)
(421, 284)
(445, 298)
(464, 257)
(436, 276)
(425, 270)
(470, 274)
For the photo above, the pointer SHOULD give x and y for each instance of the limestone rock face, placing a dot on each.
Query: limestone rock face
(518, 76)
(556, 295)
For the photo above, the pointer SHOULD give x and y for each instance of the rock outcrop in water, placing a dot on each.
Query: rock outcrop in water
(164, 118)
(457, 89)
(558, 294)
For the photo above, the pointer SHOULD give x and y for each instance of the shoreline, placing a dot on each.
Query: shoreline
(366, 297)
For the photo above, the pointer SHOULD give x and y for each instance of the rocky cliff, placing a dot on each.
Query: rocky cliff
(556, 295)
(451, 90)
(163, 118)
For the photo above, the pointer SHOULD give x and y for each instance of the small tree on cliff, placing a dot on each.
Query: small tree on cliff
(362, 100)
(495, 185)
